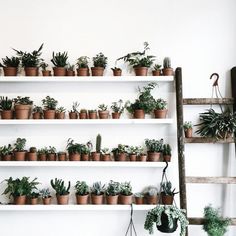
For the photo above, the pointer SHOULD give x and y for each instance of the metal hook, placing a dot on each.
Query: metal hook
(216, 80)
(132, 210)
(164, 170)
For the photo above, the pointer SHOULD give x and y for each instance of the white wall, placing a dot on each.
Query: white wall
(198, 35)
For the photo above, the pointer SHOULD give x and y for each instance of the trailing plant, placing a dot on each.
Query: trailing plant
(5, 103)
(73, 148)
(100, 60)
(160, 104)
(61, 109)
(154, 145)
(22, 101)
(102, 107)
(156, 67)
(6, 150)
(19, 145)
(45, 193)
(82, 62)
(38, 109)
(98, 188)
(10, 62)
(121, 148)
(87, 148)
(167, 63)
(51, 150)
(187, 125)
(59, 59)
(43, 65)
(113, 188)
(81, 188)
(75, 107)
(166, 188)
(126, 189)
(214, 223)
(49, 103)
(118, 106)
(98, 143)
(59, 186)
(166, 149)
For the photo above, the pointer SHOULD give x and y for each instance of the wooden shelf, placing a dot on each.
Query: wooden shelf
(208, 140)
(200, 221)
(208, 101)
(210, 180)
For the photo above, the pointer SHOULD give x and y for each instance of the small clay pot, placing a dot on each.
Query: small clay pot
(97, 199)
(132, 157)
(62, 156)
(92, 115)
(10, 71)
(84, 157)
(156, 72)
(166, 199)
(60, 115)
(49, 114)
(115, 115)
(153, 156)
(74, 157)
(47, 201)
(188, 133)
(42, 157)
(31, 156)
(34, 201)
(82, 200)
(62, 199)
(7, 115)
(117, 72)
(106, 157)
(83, 71)
(103, 114)
(70, 73)
(83, 115)
(20, 200)
(73, 115)
(141, 71)
(139, 200)
(19, 156)
(152, 199)
(160, 114)
(22, 112)
(7, 157)
(125, 200)
(112, 200)
(167, 158)
(51, 157)
(46, 72)
(168, 71)
(59, 71)
(37, 115)
(120, 157)
(139, 114)
(31, 71)
(142, 157)
(95, 156)
(97, 71)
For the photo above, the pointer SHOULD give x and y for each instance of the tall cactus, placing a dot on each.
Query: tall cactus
(166, 63)
(98, 143)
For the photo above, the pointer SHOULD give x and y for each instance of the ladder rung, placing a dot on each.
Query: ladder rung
(208, 101)
(200, 221)
(210, 180)
(208, 140)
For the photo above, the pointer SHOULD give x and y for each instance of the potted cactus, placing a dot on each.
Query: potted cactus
(22, 107)
(120, 153)
(86, 150)
(70, 70)
(97, 154)
(99, 64)
(82, 192)
(154, 148)
(10, 66)
(112, 192)
(32, 154)
(97, 193)
(188, 129)
(167, 70)
(44, 66)
(6, 152)
(83, 114)
(73, 114)
(62, 156)
(116, 71)
(125, 197)
(151, 195)
(46, 196)
(59, 60)
(117, 109)
(166, 152)
(139, 198)
(133, 152)
(167, 193)
(37, 112)
(82, 64)
(74, 150)
(103, 112)
(160, 109)
(156, 70)
(42, 154)
(6, 108)
(19, 149)
(49, 105)
(60, 113)
(51, 154)
(62, 191)
(92, 114)
(105, 154)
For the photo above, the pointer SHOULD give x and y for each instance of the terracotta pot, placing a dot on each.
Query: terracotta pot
(19, 156)
(142, 157)
(33, 201)
(51, 157)
(22, 111)
(84, 157)
(115, 115)
(139, 200)
(83, 72)
(7, 157)
(139, 114)
(103, 114)
(188, 133)
(141, 71)
(70, 73)
(152, 200)
(62, 156)
(153, 156)
(160, 114)
(10, 71)
(82, 200)
(83, 115)
(59, 71)
(7, 115)
(47, 201)
(120, 157)
(156, 72)
(112, 200)
(20, 200)
(42, 157)
(49, 114)
(31, 71)
(62, 199)
(46, 72)
(106, 157)
(92, 115)
(132, 157)
(168, 71)
(97, 199)
(166, 199)
(117, 72)
(125, 200)
(167, 158)
(74, 157)
(37, 115)
(60, 115)
(73, 115)
(95, 156)
(31, 156)
(97, 71)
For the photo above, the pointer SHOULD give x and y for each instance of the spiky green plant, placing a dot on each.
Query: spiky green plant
(156, 67)
(59, 186)
(59, 59)
(98, 188)
(73, 147)
(75, 107)
(166, 188)
(5, 103)
(167, 63)
(98, 143)
(10, 62)
(166, 149)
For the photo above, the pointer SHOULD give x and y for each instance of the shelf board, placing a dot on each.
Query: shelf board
(128, 164)
(208, 140)
(200, 221)
(208, 101)
(86, 79)
(86, 122)
(210, 180)
(75, 207)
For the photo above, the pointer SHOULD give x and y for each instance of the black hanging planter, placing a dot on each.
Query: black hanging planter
(164, 227)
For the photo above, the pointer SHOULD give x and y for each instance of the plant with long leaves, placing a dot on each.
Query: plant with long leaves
(10, 62)
(59, 59)
(59, 186)
(5, 103)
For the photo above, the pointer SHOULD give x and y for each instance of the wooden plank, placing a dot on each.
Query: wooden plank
(200, 221)
(208, 140)
(208, 101)
(210, 180)
(233, 85)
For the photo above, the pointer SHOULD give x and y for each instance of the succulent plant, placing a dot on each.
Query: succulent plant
(98, 188)
(59, 59)
(22, 101)
(154, 145)
(100, 60)
(75, 107)
(118, 106)
(160, 104)
(166, 63)
(82, 62)
(10, 62)
(187, 125)
(6, 150)
(113, 188)
(98, 143)
(126, 189)
(19, 144)
(45, 193)
(5, 103)
(59, 186)
(102, 107)
(166, 149)
(166, 188)
(49, 103)
(81, 188)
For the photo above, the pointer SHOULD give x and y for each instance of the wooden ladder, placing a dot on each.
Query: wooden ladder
(183, 179)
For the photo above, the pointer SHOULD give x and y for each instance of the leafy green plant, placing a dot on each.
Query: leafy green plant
(49, 103)
(102, 107)
(45, 193)
(43, 65)
(22, 101)
(10, 62)
(5, 103)
(19, 144)
(150, 191)
(156, 67)
(105, 151)
(214, 223)
(166, 149)
(6, 150)
(113, 188)
(75, 107)
(61, 109)
(30, 59)
(154, 145)
(34, 194)
(121, 148)
(98, 143)
(59, 59)
(70, 67)
(116, 68)
(43, 151)
(59, 186)
(187, 125)
(82, 62)
(134, 150)
(86, 148)
(73, 148)
(118, 106)
(81, 188)
(166, 63)
(139, 195)
(51, 150)
(126, 189)
(172, 212)
(166, 188)
(100, 60)
(98, 188)
(92, 111)
(160, 104)
(38, 109)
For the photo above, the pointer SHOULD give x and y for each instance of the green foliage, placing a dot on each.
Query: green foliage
(30, 59)
(59, 59)
(166, 188)
(156, 67)
(70, 67)
(116, 68)
(98, 188)
(10, 62)
(118, 106)
(51, 150)
(73, 148)
(166, 63)
(187, 125)
(59, 186)
(100, 60)
(98, 143)
(20, 187)
(82, 62)
(166, 149)
(5, 103)
(102, 107)
(81, 188)
(45, 193)
(42, 151)
(214, 224)
(34, 194)
(105, 151)
(160, 104)
(43, 65)
(75, 107)
(61, 109)
(151, 191)
(139, 195)
(87, 148)
(19, 144)
(37, 109)
(135, 150)
(126, 189)
(22, 101)
(113, 188)
(154, 145)
(6, 150)
(49, 103)
(121, 148)
(154, 217)
(217, 125)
